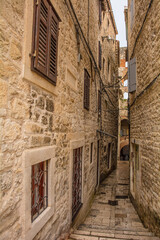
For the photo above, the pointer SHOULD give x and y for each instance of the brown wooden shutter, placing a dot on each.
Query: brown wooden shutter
(41, 37)
(86, 89)
(100, 55)
(53, 46)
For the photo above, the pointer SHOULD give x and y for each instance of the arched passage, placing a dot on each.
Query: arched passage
(124, 154)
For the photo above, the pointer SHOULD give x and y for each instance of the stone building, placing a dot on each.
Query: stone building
(123, 133)
(58, 66)
(143, 21)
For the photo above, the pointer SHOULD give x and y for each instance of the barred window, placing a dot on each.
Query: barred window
(39, 187)
(86, 89)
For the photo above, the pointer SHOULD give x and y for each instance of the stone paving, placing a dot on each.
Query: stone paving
(112, 215)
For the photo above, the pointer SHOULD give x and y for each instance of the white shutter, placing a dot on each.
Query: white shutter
(132, 75)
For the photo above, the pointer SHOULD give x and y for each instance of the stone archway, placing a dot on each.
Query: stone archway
(124, 153)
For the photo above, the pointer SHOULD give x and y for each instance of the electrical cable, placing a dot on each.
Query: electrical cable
(139, 33)
(115, 84)
(85, 41)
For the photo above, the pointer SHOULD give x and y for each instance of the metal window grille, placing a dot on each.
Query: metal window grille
(39, 189)
(77, 181)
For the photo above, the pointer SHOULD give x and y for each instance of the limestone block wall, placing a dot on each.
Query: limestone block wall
(109, 107)
(145, 114)
(37, 116)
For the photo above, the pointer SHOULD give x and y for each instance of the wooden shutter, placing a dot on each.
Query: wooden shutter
(45, 40)
(53, 46)
(99, 101)
(100, 55)
(86, 89)
(132, 75)
(41, 36)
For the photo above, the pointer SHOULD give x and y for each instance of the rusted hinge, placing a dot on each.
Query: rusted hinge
(33, 54)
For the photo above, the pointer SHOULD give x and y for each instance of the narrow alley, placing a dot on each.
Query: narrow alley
(79, 119)
(112, 215)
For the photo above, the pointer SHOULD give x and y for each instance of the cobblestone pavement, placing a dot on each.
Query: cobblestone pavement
(112, 215)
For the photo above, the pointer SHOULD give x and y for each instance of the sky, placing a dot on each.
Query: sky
(118, 10)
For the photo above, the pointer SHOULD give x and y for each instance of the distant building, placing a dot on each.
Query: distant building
(143, 21)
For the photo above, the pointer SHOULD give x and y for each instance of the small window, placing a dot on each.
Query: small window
(39, 189)
(137, 156)
(104, 65)
(86, 89)
(99, 101)
(109, 71)
(91, 153)
(45, 40)
(100, 12)
(100, 55)
(108, 22)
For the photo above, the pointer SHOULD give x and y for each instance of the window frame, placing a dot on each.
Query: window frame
(32, 157)
(99, 102)
(35, 36)
(86, 96)
(73, 145)
(39, 190)
(91, 155)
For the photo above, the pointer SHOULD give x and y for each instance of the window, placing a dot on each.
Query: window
(132, 75)
(103, 65)
(99, 101)
(45, 40)
(137, 156)
(86, 89)
(39, 186)
(109, 71)
(100, 12)
(91, 153)
(100, 55)
(77, 181)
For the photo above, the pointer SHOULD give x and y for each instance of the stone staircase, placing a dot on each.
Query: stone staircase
(112, 215)
(99, 234)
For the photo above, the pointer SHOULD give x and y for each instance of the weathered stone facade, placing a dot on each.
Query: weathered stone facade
(47, 122)
(144, 45)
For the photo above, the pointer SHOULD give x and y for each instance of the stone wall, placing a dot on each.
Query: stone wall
(144, 113)
(36, 114)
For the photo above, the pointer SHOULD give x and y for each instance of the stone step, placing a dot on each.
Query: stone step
(110, 233)
(101, 228)
(75, 236)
